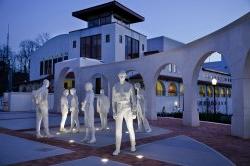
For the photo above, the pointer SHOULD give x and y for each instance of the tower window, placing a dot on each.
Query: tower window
(74, 44)
(120, 38)
(107, 38)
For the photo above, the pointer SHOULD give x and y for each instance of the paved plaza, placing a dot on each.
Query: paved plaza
(170, 143)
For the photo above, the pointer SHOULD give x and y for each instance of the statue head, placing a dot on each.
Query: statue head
(72, 91)
(66, 92)
(46, 83)
(137, 86)
(102, 91)
(88, 86)
(122, 76)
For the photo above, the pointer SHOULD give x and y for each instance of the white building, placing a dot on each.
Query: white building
(109, 38)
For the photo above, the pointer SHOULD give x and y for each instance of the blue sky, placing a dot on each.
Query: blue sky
(183, 20)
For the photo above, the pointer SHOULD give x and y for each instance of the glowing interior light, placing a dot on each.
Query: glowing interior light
(97, 129)
(104, 160)
(71, 141)
(58, 133)
(74, 129)
(108, 128)
(126, 132)
(139, 156)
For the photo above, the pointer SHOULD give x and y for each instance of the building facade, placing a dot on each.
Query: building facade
(109, 39)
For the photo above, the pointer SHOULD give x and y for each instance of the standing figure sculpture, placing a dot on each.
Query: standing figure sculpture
(64, 109)
(103, 105)
(123, 104)
(40, 99)
(88, 109)
(74, 111)
(143, 124)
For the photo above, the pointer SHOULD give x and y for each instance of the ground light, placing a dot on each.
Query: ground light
(58, 133)
(139, 156)
(104, 160)
(71, 141)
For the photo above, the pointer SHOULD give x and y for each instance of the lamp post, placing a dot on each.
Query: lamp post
(214, 83)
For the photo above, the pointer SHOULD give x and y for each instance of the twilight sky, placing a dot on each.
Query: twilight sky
(183, 20)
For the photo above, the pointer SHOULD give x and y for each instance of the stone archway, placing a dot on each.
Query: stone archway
(59, 85)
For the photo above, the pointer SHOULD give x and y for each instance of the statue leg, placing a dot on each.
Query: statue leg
(105, 119)
(139, 121)
(146, 125)
(77, 121)
(38, 124)
(72, 122)
(118, 133)
(129, 121)
(46, 123)
(64, 117)
(101, 118)
(86, 135)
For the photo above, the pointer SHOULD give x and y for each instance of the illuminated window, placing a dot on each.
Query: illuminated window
(202, 90)
(172, 89)
(160, 88)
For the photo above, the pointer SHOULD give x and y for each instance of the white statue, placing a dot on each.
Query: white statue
(88, 109)
(40, 99)
(64, 109)
(123, 104)
(74, 111)
(103, 105)
(143, 124)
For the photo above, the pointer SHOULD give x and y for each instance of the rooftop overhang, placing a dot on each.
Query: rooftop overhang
(113, 7)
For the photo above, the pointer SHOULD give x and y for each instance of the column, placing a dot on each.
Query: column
(190, 112)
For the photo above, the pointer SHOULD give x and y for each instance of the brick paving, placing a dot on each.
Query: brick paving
(216, 136)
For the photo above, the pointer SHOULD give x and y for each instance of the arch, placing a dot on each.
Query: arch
(100, 81)
(134, 76)
(191, 109)
(59, 84)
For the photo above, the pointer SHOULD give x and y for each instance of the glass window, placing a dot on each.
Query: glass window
(174, 68)
(65, 58)
(90, 47)
(131, 48)
(46, 67)
(97, 85)
(202, 91)
(74, 44)
(41, 68)
(54, 63)
(120, 38)
(50, 67)
(142, 47)
(107, 38)
(172, 89)
(160, 88)
(60, 59)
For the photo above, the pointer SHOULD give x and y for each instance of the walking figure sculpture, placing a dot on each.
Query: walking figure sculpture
(40, 99)
(123, 104)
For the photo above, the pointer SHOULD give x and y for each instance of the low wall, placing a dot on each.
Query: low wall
(22, 101)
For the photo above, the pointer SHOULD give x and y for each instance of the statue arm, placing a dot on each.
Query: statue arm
(114, 102)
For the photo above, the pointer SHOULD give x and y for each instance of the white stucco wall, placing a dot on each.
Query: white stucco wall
(21, 101)
(162, 43)
(55, 47)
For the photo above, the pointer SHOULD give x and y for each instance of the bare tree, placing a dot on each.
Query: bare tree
(42, 38)
(27, 47)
